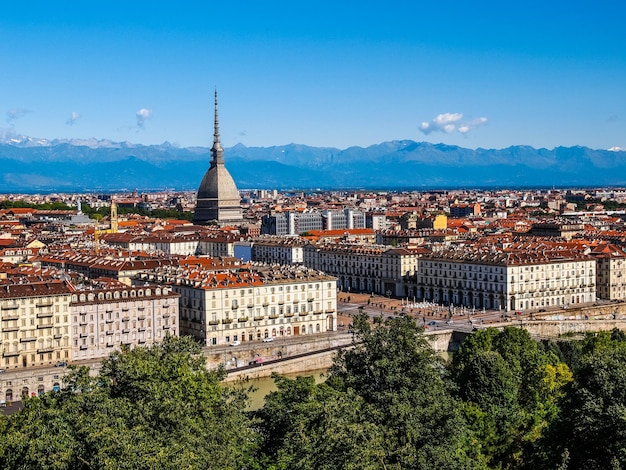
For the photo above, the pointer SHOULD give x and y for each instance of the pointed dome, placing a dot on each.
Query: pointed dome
(218, 199)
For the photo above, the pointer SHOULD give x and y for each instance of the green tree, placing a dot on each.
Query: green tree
(511, 387)
(309, 426)
(387, 396)
(591, 429)
(490, 391)
(148, 408)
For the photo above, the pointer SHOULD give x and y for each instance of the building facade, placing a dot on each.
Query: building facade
(509, 280)
(611, 271)
(220, 307)
(375, 269)
(278, 250)
(106, 317)
(35, 323)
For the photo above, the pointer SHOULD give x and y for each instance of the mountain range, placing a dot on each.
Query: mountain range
(37, 165)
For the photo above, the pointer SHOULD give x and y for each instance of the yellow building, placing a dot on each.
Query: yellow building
(440, 222)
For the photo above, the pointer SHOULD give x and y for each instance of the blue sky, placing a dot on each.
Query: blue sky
(326, 73)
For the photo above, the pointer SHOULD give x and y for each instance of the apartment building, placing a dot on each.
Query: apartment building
(219, 307)
(111, 264)
(216, 245)
(160, 242)
(107, 315)
(377, 269)
(611, 271)
(278, 250)
(296, 223)
(517, 277)
(35, 323)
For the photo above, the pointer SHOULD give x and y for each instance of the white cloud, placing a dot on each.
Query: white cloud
(16, 113)
(445, 122)
(449, 122)
(142, 115)
(616, 149)
(468, 126)
(73, 118)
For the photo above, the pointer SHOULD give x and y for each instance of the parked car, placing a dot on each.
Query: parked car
(235, 343)
(61, 364)
(432, 323)
(268, 339)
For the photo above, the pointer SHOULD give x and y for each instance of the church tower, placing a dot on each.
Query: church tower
(218, 200)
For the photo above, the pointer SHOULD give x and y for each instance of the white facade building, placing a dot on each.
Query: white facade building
(509, 279)
(244, 305)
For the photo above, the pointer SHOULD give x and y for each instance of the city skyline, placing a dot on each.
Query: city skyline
(324, 75)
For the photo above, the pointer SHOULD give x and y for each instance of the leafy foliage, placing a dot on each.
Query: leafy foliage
(590, 430)
(152, 408)
(389, 402)
(396, 408)
(511, 387)
(43, 206)
(157, 213)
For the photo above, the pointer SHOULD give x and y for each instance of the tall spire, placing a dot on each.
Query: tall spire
(217, 152)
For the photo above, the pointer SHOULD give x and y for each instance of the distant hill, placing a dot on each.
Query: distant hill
(34, 165)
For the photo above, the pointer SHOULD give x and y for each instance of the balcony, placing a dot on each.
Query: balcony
(126, 319)
(274, 316)
(141, 329)
(317, 312)
(45, 303)
(303, 314)
(10, 353)
(259, 318)
(8, 329)
(226, 321)
(288, 315)
(109, 333)
(10, 316)
(126, 331)
(166, 327)
(234, 307)
(28, 339)
(58, 336)
(243, 319)
(83, 347)
(44, 314)
(83, 335)
(141, 317)
(213, 322)
(10, 307)
(49, 349)
(41, 327)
